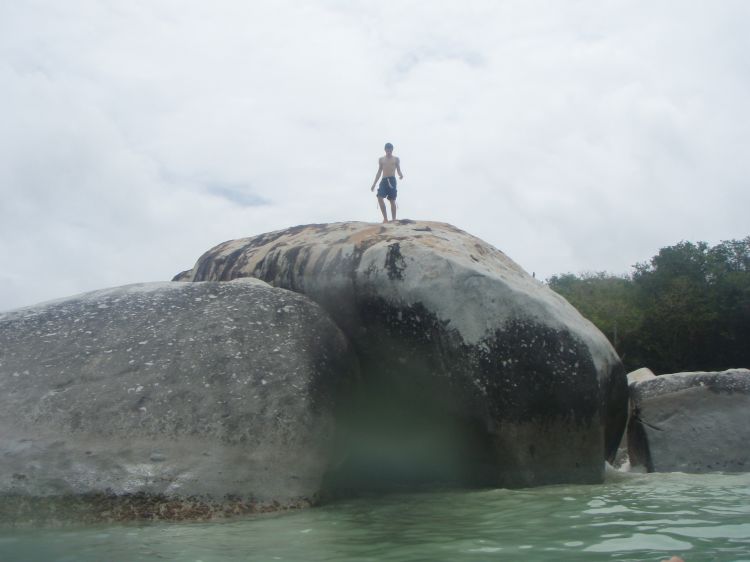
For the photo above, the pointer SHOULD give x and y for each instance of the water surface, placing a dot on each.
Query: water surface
(631, 517)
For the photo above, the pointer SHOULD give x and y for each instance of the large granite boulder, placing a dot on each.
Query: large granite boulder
(691, 422)
(473, 371)
(174, 400)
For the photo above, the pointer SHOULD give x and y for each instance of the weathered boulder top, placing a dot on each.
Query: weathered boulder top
(724, 382)
(408, 261)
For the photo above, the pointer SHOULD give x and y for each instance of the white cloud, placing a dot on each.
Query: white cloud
(583, 135)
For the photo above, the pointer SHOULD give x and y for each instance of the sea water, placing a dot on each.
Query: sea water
(630, 517)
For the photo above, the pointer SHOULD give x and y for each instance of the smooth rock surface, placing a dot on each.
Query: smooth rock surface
(167, 400)
(691, 422)
(640, 375)
(474, 372)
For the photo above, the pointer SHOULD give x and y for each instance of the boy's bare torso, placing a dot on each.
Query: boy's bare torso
(389, 164)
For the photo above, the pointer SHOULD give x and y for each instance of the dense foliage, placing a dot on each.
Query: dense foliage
(686, 309)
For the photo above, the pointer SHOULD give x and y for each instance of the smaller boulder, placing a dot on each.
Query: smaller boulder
(691, 422)
(166, 401)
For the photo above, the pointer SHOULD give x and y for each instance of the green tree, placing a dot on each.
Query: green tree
(609, 301)
(695, 304)
(688, 308)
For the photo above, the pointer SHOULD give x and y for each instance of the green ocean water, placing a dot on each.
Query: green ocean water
(631, 517)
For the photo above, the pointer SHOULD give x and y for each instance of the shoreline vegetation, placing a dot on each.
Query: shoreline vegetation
(685, 309)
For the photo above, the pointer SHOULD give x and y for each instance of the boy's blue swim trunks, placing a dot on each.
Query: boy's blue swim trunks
(387, 188)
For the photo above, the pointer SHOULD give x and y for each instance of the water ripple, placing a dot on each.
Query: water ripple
(630, 518)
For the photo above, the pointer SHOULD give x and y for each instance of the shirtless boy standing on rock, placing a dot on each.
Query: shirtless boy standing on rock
(388, 165)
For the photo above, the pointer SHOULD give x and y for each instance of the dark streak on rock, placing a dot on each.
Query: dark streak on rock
(473, 390)
(316, 271)
(638, 445)
(395, 263)
(229, 263)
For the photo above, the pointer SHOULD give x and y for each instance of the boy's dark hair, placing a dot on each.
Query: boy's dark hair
(388, 145)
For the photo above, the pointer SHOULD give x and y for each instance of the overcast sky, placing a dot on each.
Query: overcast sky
(575, 136)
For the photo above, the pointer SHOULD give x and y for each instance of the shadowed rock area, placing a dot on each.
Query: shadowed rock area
(473, 373)
(691, 422)
(167, 400)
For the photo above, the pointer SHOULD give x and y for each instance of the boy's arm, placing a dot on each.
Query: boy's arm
(398, 168)
(377, 176)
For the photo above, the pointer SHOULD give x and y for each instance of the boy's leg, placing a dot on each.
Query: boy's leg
(393, 208)
(381, 203)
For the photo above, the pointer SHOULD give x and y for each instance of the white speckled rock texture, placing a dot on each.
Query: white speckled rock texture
(168, 399)
(691, 422)
(445, 322)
